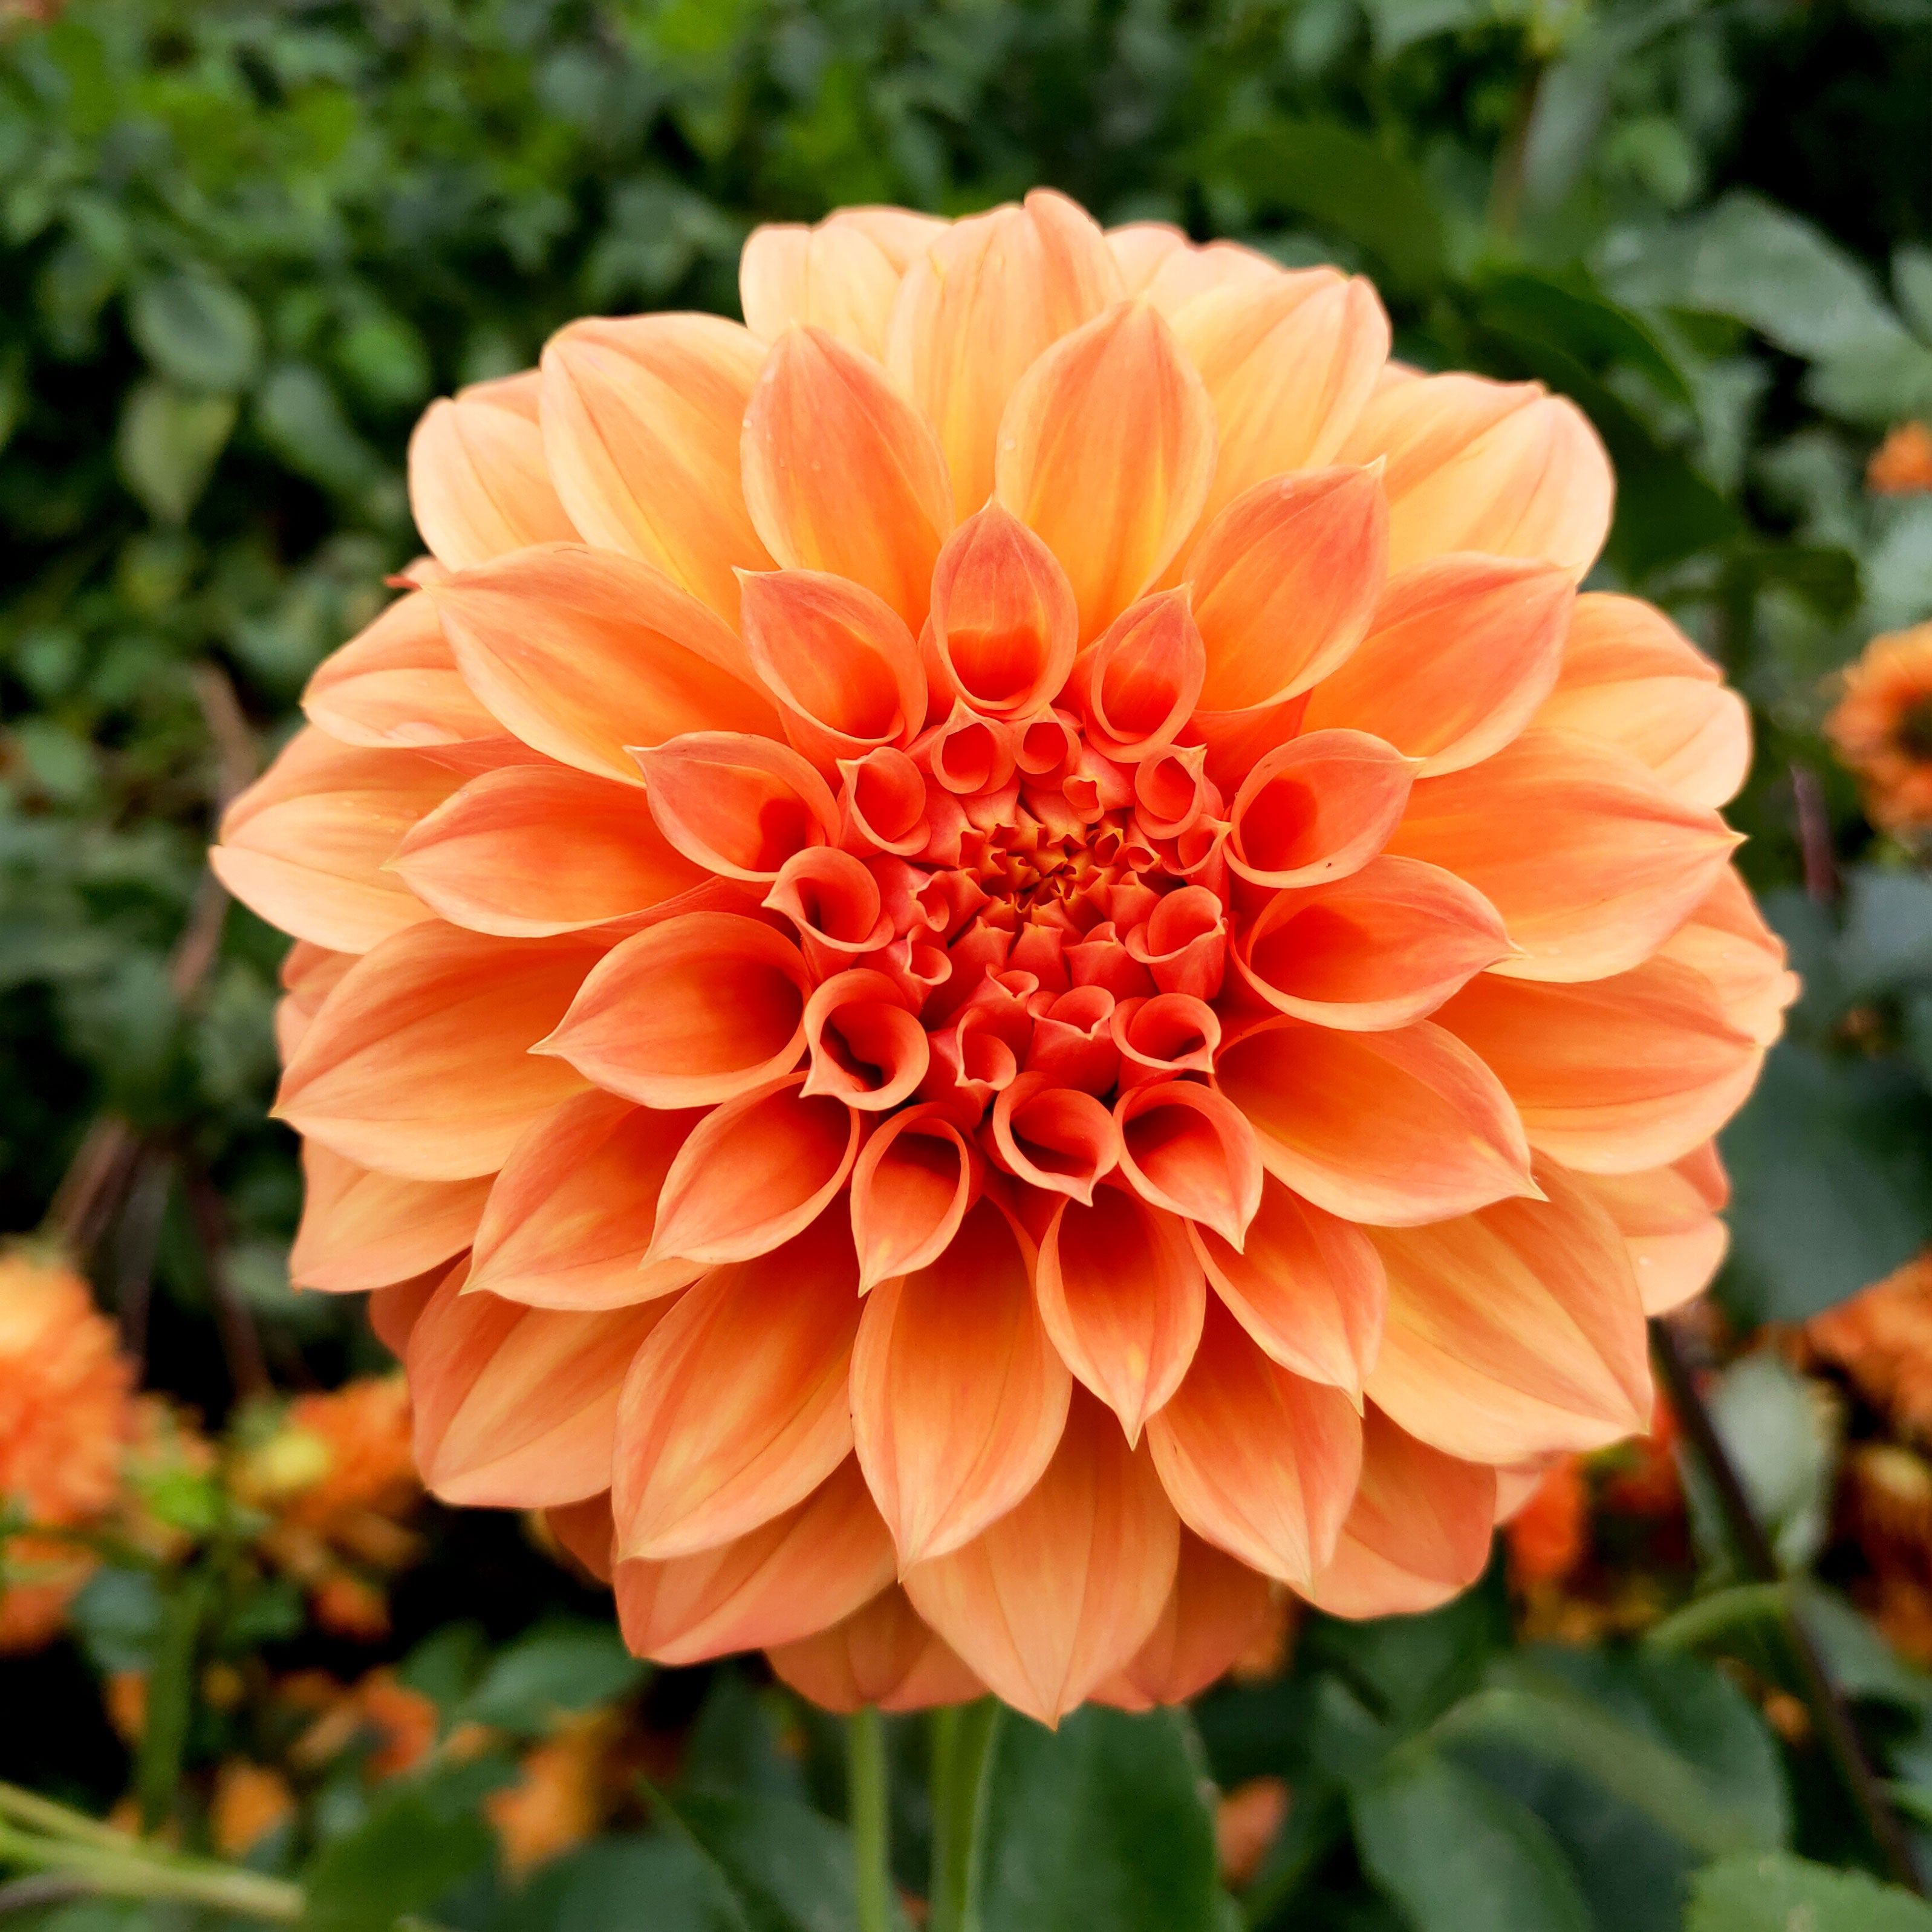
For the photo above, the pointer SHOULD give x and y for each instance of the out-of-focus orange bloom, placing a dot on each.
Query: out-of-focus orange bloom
(1644, 1479)
(1147, 866)
(560, 1797)
(1902, 464)
(1549, 1536)
(401, 1723)
(1882, 728)
(250, 1800)
(1881, 1338)
(125, 1697)
(65, 1420)
(1247, 1822)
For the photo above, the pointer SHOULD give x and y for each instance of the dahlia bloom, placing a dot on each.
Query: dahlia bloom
(996, 962)
(1882, 728)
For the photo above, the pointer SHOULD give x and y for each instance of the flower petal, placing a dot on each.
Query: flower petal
(1258, 1462)
(360, 1229)
(835, 277)
(1397, 1128)
(1054, 1137)
(958, 1396)
(738, 806)
(1187, 1149)
(737, 1408)
(912, 1184)
(1004, 627)
(394, 686)
(1318, 807)
(1726, 939)
(882, 1654)
(1215, 1610)
(1668, 1218)
(478, 485)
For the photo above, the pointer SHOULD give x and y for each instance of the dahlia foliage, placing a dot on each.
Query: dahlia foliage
(994, 962)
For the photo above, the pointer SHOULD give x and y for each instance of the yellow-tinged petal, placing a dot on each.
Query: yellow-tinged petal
(360, 1229)
(479, 482)
(395, 686)
(836, 277)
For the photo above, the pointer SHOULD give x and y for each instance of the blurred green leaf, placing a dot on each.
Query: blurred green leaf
(167, 446)
(1775, 1892)
(405, 1855)
(600, 1888)
(300, 418)
(184, 1605)
(197, 331)
(559, 1667)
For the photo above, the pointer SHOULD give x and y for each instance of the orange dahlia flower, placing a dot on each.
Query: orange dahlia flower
(1882, 728)
(65, 1414)
(1901, 466)
(999, 958)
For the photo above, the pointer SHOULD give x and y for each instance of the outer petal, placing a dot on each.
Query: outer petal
(532, 849)
(835, 277)
(1514, 1331)
(958, 1396)
(478, 485)
(419, 1062)
(394, 686)
(978, 308)
(1309, 1288)
(571, 1217)
(1107, 450)
(737, 1408)
(704, 1007)
(1063, 1590)
(640, 425)
(1631, 679)
(842, 474)
(1395, 1128)
(1668, 1217)
(1726, 940)
(1122, 1294)
(1283, 584)
(1616, 1074)
(1214, 1612)
(517, 1406)
(1288, 362)
(1615, 867)
(360, 1229)
(798, 1574)
(1419, 1532)
(583, 653)
(1260, 1462)
(303, 846)
(882, 1654)
(395, 1311)
(1462, 651)
(1479, 466)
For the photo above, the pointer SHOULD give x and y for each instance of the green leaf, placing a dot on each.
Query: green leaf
(1569, 314)
(1887, 938)
(1782, 1438)
(559, 1666)
(1775, 1892)
(301, 420)
(402, 1858)
(117, 1618)
(171, 1682)
(1100, 1823)
(1831, 1165)
(1457, 1856)
(167, 444)
(599, 1888)
(197, 331)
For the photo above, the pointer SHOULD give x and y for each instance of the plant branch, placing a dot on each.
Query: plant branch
(131, 1870)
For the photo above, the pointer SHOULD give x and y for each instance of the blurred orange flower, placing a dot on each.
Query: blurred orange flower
(1902, 464)
(65, 1417)
(561, 1795)
(1881, 1338)
(1882, 728)
(399, 1724)
(973, 943)
(1550, 1534)
(250, 1800)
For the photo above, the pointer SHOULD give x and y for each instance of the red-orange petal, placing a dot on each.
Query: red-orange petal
(1317, 807)
(1215, 1610)
(738, 806)
(1139, 684)
(911, 1187)
(882, 1654)
(1187, 1149)
(1003, 626)
(1054, 1137)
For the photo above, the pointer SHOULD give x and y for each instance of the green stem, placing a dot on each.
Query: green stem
(134, 1873)
(962, 1757)
(867, 1809)
(58, 1821)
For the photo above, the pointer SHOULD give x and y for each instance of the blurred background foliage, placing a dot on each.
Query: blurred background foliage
(242, 245)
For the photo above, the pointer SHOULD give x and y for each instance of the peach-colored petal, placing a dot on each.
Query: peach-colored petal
(1317, 808)
(1139, 684)
(958, 1395)
(419, 1062)
(1397, 1128)
(842, 665)
(1288, 362)
(756, 1172)
(569, 1220)
(1214, 1612)
(1515, 1330)
(842, 474)
(1668, 1219)
(1107, 450)
(583, 653)
(1309, 1288)
(641, 419)
(1461, 653)
(736, 1408)
(789, 1578)
(360, 1229)
(1260, 1462)
(835, 277)
(910, 1190)
(517, 1407)
(868, 1052)
(1726, 939)
(882, 1654)
(1187, 1149)
(529, 851)
(1004, 627)
(1284, 583)
(1615, 866)
(1615, 1075)
(1419, 1531)
(979, 306)
(1384, 947)
(395, 1311)
(1184, 273)
(304, 845)
(1631, 679)
(1054, 1137)
(394, 686)
(703, 1008)
(903, 234)
(478, 485)
(1138, 249)
(1479, 466)
(1063, 1590)
(1121, 1294)
(738, 806)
